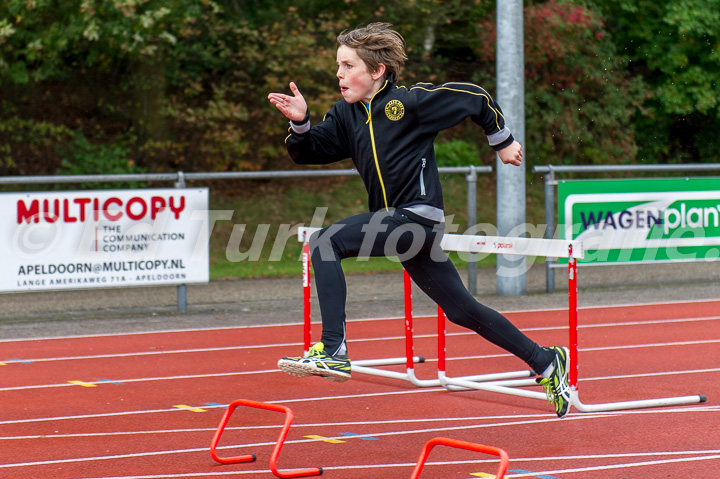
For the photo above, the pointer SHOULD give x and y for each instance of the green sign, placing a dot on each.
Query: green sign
(642, 220)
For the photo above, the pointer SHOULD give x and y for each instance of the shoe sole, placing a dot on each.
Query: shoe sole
(302, 371)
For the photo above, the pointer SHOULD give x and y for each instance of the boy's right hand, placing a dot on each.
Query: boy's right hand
(512, 154)
(294, 107)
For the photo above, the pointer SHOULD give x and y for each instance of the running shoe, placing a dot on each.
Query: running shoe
(557, 386)
(317, 363)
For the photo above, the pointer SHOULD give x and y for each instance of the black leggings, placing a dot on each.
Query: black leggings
(416, 243)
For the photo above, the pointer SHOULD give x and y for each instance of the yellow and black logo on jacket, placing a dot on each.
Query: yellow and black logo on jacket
(394, 110)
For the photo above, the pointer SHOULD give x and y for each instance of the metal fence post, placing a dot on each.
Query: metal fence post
(549, 226)
(511, 197)
(471, 179)
(181, 288)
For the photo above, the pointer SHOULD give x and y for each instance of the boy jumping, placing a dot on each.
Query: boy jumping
(388, 130)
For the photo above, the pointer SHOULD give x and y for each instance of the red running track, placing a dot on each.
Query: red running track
(147, 405)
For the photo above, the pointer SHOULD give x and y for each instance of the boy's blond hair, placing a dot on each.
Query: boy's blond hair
(377, 43)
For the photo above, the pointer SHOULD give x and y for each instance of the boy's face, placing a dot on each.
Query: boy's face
(356, 81)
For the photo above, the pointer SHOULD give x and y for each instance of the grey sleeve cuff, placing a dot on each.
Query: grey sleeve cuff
(500, 137)
(303, 126)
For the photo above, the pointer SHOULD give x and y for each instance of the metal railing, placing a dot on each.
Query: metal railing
(180, 180)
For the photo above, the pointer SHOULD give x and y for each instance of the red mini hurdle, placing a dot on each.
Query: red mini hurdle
(315, 471)
(470, 446)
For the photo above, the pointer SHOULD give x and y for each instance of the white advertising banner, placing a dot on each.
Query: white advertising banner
(104, 238)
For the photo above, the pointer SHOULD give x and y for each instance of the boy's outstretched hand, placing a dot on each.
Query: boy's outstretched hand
(294, 107)
(511, 154)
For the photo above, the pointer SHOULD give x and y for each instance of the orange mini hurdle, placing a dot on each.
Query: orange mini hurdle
(315, 471)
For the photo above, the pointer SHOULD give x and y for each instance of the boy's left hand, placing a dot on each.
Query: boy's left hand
(294, 107)
(511, 154)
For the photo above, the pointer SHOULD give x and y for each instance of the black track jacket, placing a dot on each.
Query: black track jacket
(391, 140)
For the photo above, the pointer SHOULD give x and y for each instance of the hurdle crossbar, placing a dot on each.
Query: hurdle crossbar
(504, 382)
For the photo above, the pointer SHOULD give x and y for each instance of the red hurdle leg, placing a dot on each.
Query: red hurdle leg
(409, 347)
(315, 471)
(306, 294)
(442, 350)
(573, 312)
(470, 446)
(218, 433)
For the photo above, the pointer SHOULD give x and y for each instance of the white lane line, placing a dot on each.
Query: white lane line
(256, 473)
(141, 380)
(284, 401)
(283, 325)
(548, 418)
(570, 418)
(352, 396)
(652, 345)
(700, 457)
(294, 426)
(428, 360)
(608, 467)
(191, 330)
(357, 340)
(160, 353)
(696, 409)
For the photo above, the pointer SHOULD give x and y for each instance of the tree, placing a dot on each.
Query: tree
(90, 69)
(578, 97)
(169, 84)
(673, 46)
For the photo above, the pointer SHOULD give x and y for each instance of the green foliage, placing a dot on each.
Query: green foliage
(223, 121)
(456, 153)
(81, 157)
(28, 139)
(286, 203)
(188, 81)
(674, 48)
(43, 39)
(83, 63)
(578, 96)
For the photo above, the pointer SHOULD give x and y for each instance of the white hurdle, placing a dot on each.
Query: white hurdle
(506, 382)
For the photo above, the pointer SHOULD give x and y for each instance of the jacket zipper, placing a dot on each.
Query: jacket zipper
(422, 177)
(372, 140)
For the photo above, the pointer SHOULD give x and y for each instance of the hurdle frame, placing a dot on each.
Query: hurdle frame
(505, 382)
(468, 446)
(289, 474)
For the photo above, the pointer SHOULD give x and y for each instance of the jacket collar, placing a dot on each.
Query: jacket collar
(387, 86)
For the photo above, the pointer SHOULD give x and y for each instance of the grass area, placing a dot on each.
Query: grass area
(258, 242)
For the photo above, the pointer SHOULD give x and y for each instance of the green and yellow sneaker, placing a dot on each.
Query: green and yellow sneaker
(557, 386)
(317, 363)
